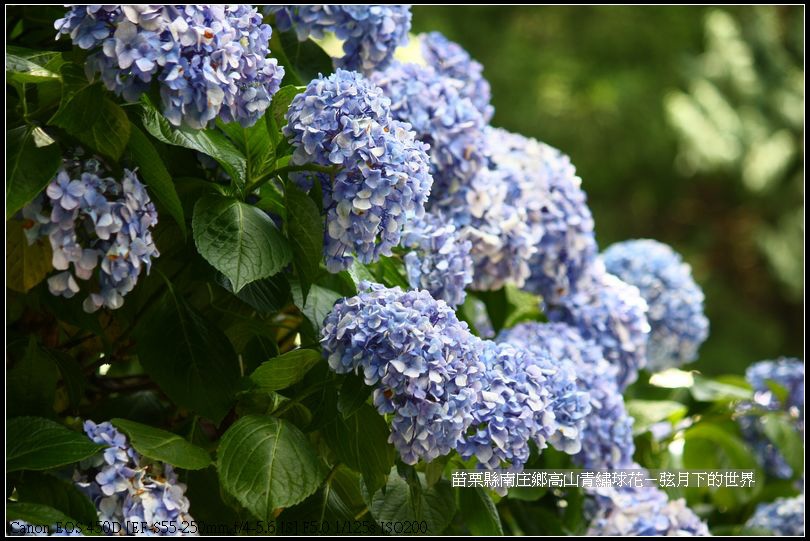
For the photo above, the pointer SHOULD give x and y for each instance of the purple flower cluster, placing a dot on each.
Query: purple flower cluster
(382, 177)
(127, 490)
(94, 222)
(677, 322)
(782, 517)
(544, 183)
(643, 511)
(370, 33)
(612, 314)
(210, 60)
(451, 60)
(420, 359)
(438, 260)
(603, 427)
(442, 117)
(789, 375)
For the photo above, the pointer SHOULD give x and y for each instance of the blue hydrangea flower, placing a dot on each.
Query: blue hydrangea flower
(442, 117)
(677, 322)
(128, 490)
(788, 374)
(451, 60)
(604, 429)
(496, 224)
(439, 261)
(612, 314)
(383, 178)
(370, 33)
(782, 517)
(514, 408)
(420, 359)
(210, 60)
(544, 183)
(96, 225)
(643, 511)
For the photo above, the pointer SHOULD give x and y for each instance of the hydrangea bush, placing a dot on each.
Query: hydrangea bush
(254, 289)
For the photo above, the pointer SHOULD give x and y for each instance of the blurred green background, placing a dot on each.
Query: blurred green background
(686, 125)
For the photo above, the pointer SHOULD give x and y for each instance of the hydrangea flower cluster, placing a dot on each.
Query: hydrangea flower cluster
(442, 116)
(383, 173)
(788, 374)
(421, 360)
(514, 408)
(210, 60)
(370, 33)
(611, 313)
(94, 222)
(677, 322)
(782, 517)
(451, 60)
(606, 432)
(438, 260)
(127, 490)
(545, 184)
(644, 511)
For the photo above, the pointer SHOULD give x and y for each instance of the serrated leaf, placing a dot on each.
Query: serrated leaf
(353, 394)
(33, 158)
(197, 368)
(361, 442)
(267, 464)
(267, 295)
(390, 272)
(64, 496)
(396, 502)
(155, 175)
(95, 120)
(280, 105)
(209, 142)
(780, 428)
(480, 514)
(238, 240)
(34, 443)
(303, 61)
(319, 303)
(28, 66)
(255, 144)
(305, 232)
(285, 370)
(164, 446)
(26, 265)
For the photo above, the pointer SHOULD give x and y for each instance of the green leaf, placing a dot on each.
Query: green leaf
(268, 295)
(72, 376)
(64, 496)
(197, 368)
(32, 383)
(353, 394)
(94, 120)
(498, 307)
(710, 390)
(26, 266)
(267, 464)
(209, 142)
(319, 303)
(164, 446)
(285, 370)
(481, 516)
(277, 118)
(649, 412)
(33, 158)
(36, 513)
(780, 428)
(28, 66)
(361, 442)
(360, 272)
(255, 144)
(155, 175)
(335, 506)
(305, 232)
(390, 272)
(303, 61)
(205, 496)
(396, 502)
(34, 443)
(238, 240)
